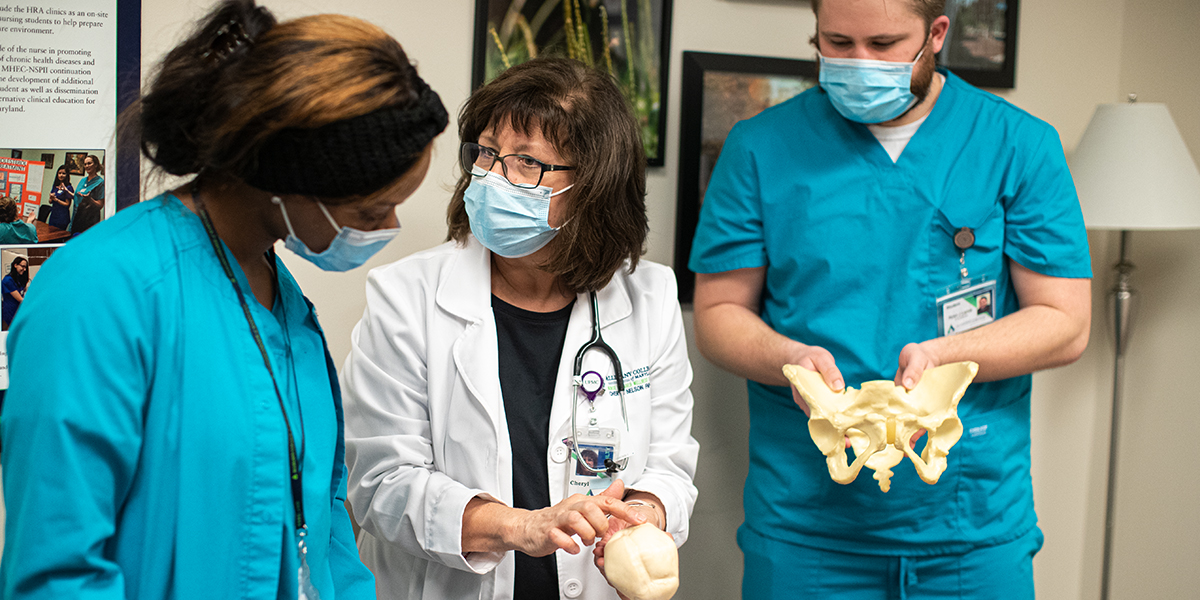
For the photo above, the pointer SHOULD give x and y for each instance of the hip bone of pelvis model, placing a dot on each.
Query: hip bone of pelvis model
(881, 418)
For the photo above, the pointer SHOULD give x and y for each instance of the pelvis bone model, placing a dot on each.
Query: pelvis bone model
(881, 419)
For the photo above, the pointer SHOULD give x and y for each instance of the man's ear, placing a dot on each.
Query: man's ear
(937, 32)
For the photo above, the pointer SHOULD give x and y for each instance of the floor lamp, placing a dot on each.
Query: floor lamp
(1133, 172)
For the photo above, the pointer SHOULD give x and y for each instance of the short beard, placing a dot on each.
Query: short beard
(922, 77)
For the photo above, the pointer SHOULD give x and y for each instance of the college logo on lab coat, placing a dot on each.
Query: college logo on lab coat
(635, 381)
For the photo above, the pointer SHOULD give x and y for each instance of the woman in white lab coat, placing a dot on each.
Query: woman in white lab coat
(461, 378)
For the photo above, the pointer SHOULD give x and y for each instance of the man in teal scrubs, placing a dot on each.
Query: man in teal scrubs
(849, 230)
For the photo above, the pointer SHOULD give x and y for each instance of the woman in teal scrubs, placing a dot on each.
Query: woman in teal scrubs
(89, 196)
(194, 449)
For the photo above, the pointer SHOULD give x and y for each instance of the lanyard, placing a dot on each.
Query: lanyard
(293, 462)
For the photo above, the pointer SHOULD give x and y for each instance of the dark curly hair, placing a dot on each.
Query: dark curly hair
(242, 77)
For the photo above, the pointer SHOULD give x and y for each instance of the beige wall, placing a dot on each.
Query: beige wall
(1157, 547)
(1072, 55)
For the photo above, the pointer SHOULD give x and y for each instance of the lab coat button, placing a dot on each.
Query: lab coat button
(573, 588)
(559, 454)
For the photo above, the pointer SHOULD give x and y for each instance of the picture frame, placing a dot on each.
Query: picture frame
(127, 164)
(15, 153)
(981, 44)
(718, 91)
(74, 162)
(509, 32)
(49, 160)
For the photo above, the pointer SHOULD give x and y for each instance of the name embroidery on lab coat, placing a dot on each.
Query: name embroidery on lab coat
(635, 381)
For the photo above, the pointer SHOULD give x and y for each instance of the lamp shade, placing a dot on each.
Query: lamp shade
(1133, 171)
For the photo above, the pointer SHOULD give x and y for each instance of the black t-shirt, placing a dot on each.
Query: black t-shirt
(531, 346)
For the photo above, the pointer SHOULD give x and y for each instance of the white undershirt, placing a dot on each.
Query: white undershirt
(895, 139)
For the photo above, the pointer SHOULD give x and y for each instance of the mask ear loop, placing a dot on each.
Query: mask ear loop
(336, 227)
(277, 201)
(562, 190)
(928, 39)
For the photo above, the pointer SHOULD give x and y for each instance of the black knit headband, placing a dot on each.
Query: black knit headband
(352, 157)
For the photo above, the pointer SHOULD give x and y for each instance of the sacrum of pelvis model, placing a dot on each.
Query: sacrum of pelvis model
(881, 418)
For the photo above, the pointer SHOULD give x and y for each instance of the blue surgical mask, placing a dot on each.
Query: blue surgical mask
(349, 249)
(868, 91)
(510, 221)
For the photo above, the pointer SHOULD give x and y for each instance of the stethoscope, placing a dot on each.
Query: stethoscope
(592, 384)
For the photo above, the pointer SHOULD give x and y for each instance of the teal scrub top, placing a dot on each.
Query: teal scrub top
(18, 232)
(155, 464)
(857, 249)
(86, 186)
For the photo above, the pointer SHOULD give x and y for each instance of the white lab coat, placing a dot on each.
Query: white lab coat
(426, 430)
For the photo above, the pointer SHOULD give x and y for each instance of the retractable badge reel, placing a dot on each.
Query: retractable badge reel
(591, 384)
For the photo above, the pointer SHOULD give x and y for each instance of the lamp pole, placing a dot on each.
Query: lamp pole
(1134, 172)
(1122, 295)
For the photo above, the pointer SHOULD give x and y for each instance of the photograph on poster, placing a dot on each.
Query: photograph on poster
(718, 91)
(19, 266)
(16, 227)
(63, 203)
(628, 38)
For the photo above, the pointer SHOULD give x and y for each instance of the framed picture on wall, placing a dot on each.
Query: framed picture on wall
(631, 39)
(981, 45)
(49, 160)
(718, 91)
(74, 162)
(15, 154)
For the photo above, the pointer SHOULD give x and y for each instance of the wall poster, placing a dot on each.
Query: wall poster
(66, 69)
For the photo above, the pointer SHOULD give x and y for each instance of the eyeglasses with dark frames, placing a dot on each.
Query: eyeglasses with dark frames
(519, 169)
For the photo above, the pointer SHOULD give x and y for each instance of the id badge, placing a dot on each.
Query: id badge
(966, 307)
(597, 447)
(306, 589)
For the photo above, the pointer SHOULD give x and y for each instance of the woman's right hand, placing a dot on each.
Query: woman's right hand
(540, 532)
